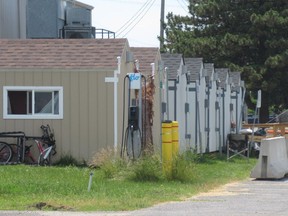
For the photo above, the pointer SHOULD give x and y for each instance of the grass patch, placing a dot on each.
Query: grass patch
(130, 186)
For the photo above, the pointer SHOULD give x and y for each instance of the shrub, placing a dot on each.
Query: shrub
(147, 168)
(67, 160)
(183, 168)
(110, 164)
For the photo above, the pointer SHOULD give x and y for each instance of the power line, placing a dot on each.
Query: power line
(136, 16)
(183, 5)
(140, 18)
(129, 22)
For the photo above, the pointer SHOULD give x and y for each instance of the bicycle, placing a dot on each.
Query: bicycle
(46, 145)
(5, 153)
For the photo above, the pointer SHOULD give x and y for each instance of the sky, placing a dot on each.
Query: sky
(136, 20)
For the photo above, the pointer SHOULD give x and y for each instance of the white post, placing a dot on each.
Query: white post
(153, 70)
(116, 105)
(114, 80)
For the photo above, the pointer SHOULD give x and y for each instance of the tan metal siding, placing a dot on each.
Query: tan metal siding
(84, 115)
(92, 113)
(73, 110)
(65, 140)
(88, 119)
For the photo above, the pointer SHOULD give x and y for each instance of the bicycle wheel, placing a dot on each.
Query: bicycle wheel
(45, 157)
(43, 161)
(16, 157)
(5, 153)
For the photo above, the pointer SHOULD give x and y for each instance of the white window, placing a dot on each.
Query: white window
(32, 102)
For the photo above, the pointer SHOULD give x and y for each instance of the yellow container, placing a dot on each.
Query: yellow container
(175, 138)
(167, 147)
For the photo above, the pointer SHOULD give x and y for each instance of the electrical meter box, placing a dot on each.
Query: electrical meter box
(135, 80)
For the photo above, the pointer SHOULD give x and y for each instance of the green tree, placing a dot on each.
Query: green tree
(250, 36)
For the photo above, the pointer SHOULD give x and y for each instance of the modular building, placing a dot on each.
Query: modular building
(61, 82)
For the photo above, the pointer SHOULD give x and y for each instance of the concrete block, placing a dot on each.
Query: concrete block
(273, 160)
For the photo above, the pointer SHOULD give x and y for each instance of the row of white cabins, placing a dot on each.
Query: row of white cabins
(203, 99)
(206, 101)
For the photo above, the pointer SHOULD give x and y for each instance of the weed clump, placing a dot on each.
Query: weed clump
(110, 164)
(67, 160)
(147, 168)
(183, 168)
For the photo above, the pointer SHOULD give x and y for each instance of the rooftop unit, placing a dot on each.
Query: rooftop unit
(45, 19)
(78, 23)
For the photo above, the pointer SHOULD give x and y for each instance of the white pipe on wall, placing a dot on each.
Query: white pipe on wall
(118, 71)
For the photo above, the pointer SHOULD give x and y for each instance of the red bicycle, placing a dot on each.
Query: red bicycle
(20, 152)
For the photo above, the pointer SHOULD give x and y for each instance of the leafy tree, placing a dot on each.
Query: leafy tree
(250, 36)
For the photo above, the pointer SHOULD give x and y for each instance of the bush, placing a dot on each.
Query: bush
(183, 168)
(108, 163)
(147, 168)
(67, 160)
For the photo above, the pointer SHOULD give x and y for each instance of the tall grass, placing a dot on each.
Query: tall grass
(130, 185)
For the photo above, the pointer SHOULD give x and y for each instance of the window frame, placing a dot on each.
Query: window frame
(33, 89)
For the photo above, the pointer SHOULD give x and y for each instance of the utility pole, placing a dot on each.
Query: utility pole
(162, 23)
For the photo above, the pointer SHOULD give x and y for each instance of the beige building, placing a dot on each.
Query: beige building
(65, 82)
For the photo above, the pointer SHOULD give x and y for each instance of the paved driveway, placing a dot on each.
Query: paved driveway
(251, 197)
